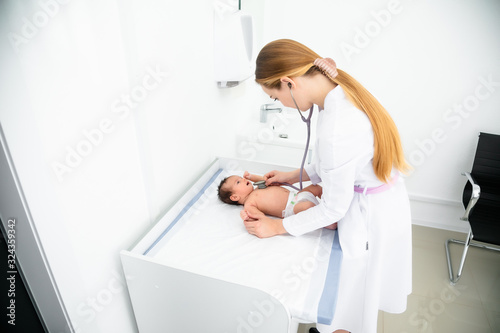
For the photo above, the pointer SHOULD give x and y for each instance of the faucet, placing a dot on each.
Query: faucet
(265, 109)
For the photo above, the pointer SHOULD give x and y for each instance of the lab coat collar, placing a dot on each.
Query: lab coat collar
(333, 98)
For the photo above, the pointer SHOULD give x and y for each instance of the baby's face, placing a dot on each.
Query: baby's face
(240, 186)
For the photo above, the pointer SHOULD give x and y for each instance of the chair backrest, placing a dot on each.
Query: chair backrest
(485, 217)
(486, 167)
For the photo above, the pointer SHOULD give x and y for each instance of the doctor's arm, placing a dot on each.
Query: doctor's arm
(290, 177)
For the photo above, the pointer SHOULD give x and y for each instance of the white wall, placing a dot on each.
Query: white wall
(435, 66)
(110, 112)
(71, 74)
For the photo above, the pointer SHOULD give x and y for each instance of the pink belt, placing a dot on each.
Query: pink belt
(378, 189)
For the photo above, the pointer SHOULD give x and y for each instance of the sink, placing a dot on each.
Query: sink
(281, 140)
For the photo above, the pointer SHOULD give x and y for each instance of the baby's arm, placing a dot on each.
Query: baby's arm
(252, 178)
(250, 208)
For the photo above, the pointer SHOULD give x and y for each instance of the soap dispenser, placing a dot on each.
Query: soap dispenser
(233, 43)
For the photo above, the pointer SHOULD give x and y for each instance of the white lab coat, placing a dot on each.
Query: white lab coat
(374, 229)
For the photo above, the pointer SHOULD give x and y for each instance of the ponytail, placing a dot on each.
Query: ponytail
(286, 57)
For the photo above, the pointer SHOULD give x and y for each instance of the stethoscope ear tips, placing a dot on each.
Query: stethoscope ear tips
(260, 184)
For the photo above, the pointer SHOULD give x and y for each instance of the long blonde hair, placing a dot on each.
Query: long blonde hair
(285, 57)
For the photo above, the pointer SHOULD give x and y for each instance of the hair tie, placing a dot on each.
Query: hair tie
(327, 66)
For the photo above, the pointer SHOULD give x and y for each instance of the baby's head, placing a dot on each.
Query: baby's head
(234, 190)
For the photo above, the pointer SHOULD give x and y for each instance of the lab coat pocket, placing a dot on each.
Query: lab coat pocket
(353, 229)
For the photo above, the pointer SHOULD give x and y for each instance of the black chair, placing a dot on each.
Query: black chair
(481, 199)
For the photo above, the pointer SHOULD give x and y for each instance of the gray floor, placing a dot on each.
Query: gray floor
(473, 305)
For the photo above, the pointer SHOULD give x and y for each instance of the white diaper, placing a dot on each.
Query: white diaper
(294, 198)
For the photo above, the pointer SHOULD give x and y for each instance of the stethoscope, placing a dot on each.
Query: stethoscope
(262, 184)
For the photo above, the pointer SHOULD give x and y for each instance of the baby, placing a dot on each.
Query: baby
(273, 200)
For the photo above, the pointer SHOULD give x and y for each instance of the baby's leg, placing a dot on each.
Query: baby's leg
(302, 206)
(307, 198)
(332, 226)
(316, 190)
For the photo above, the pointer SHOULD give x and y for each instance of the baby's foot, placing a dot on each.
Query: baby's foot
(332, 226)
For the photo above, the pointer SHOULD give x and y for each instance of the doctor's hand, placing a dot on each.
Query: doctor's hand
(263, 226)
(276, 176)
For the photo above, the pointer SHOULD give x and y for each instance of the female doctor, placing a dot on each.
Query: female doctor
(358, 159)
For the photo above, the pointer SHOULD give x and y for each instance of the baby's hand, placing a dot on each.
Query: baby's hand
(247, 175)
(244, 215)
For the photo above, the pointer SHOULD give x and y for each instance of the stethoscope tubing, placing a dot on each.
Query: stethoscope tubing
(308, 123)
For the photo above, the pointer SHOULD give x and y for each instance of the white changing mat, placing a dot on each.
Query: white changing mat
(209, 238)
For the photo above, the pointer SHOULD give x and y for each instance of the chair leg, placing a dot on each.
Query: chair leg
(466, 244)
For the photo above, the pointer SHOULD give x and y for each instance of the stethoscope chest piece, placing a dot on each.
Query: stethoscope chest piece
(260, 184)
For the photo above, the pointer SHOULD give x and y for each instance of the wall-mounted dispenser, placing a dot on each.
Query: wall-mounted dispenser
(233, 44)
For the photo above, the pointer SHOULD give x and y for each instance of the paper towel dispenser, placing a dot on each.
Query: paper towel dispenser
(233, 46)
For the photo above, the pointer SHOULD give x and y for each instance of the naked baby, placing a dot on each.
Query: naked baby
(273, 200)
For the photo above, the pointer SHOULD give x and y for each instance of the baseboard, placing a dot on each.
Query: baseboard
(437, 213)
